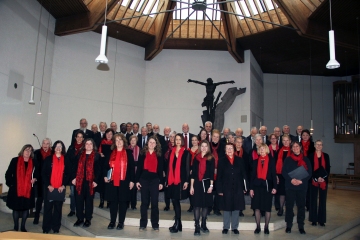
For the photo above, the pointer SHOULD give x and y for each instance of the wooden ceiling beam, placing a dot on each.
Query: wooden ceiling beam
(230, 27)
(83, 22)
(161, 25)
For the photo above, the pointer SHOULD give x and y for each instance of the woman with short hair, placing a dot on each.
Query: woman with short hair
(262, 186)
(178, 178)
(231, 187)
(201, 185)
(20, 177)
(295, 188)
(119, 183)
(56, 174)
(86, 174)
(149, 179)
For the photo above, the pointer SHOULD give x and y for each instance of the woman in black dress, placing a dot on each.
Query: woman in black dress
(20, 178)
(86, 174)
(72, 154)
(55, 174)
(262, 186)
(149, 178)
(231, 186)
(320, 161)
(295, 188)
(40, 155)
(104, 151)
(274, 151)
(201, 185)
(283, 153)
(178, 178)
(118, 187)
(167, 154)
(135, 152)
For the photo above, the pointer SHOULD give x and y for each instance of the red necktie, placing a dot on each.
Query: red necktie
(186, 141)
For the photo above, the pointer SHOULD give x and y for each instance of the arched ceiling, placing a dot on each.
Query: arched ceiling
(282, 34)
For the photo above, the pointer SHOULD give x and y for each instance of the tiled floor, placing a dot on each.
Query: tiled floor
(343, 207)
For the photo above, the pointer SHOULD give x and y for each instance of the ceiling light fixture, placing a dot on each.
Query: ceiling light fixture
(332, 64)
(102, 58)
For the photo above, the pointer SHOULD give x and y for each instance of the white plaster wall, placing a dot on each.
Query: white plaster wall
(19, 29)
(170, 100)
(256, 94)
(82, 88)
(287, 101)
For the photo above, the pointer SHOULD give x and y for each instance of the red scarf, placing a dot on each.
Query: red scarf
(151, 162)
(174, 178)
(135, 152)
(170, 148)
(231, 159)
(272, 151)
(299, 159)
(316, 166)
(305, 146)
(118, 162)
(280, 162)
(78, 147)
(239, 153)
(89, 172)
(57, 171)
(104, 142)
(202, 166)
(45, 154)
(23, 177)
(262, 168)
(216, 156)
(192, 156)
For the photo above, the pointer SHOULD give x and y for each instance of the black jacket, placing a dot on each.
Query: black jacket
(47, 171)
(270, 182)
(290, 165)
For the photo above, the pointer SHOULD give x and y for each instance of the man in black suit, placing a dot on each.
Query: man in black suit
(135, 129)
(286, 130)
(94, 128)
(239, 133)
(250, 141)
(208, 129)
(187, 136)
(142, 139)
(298, 133)
(129, 132)
(123, 128)
(83, 126)
(277, 133)
(149, 128)
(99, 135)
(263, 132)
(113, 126)
(225, 134)
(166, 137)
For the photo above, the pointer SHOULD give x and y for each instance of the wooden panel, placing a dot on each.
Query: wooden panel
(64, 8)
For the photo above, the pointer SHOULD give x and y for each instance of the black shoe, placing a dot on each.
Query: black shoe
(235, 231)
(166, 208)
(16, 227)
(45, 232)
(280, 213)
(133, 208)
(197, 228)
(288, 230)
(87, 223)
(71, 213)
(217, 213)
(101, 205)
(277, 209)
(313, 224)
(302, 231)
(78, 223)
(120, 226)
(203, 227)
(266, 231)
(177, 226)
(141, 229)
(322, 224)
(23, 229)
(257, 230)
(36, 218)
(108, 205)
(241, 214)
(111, 225)
(190, 209)
(56, 231)
(156, 229)
(224, 231)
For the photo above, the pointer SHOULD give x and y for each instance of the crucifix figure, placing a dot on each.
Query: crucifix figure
(209, 99)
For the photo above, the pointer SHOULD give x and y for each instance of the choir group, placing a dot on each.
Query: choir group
(214, 172)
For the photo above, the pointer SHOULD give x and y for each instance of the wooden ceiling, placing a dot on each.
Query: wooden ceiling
(283, 35)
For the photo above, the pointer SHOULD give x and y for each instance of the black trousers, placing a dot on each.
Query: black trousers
(39, 199)
(317, 212)
(292, 196)
(52, 215)
(133, 196)
(149, 194)
(118, 207)
(84, 199)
